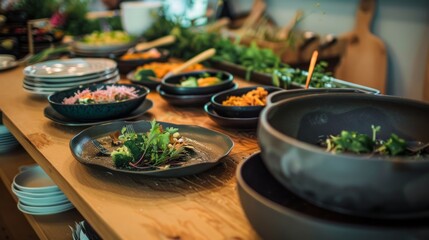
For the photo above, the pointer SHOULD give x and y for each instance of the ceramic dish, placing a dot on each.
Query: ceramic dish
(171, 84)
(51, 114)
(7, 62)
(44, 202)
(126, 66)
(21, 193)
(277, 213)
(69, 80)
(187, 100)
(34, 180)
(210, 147)
(236, 123)
(69, 67)
(96, 111)
(152, 84)
(238, 111)
(47, 210)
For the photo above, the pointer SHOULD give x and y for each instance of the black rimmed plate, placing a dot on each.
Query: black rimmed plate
(53, 115)
(126, 66)
(187, 100)
(241, 123)
(152, 84)
(210, 147)
(276, 213)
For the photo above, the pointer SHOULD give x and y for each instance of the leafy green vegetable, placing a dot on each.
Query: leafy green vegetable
(149, 150)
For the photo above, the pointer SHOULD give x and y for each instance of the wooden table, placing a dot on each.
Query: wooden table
(126, 206)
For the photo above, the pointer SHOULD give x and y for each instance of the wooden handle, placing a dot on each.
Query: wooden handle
(364, 15)
(283, 33)
(155, 43)
(257, 11)
(311, 68)
(218, 24)
(199, 58)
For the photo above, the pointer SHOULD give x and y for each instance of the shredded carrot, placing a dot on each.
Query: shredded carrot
(255, 97)
(161, 69)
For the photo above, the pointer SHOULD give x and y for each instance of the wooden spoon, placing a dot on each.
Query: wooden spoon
(311, 68)
(155, 43)
(284, 32)
(197, 59)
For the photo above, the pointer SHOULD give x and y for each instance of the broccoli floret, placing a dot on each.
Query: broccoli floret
(121, 157)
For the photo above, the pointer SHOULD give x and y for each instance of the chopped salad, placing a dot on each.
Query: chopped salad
(108, 95)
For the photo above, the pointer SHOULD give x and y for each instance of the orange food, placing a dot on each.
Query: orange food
(255, 97)
(153, 53)
(161, 69)
(207, 81)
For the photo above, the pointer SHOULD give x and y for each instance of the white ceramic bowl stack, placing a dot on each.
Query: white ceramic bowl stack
(37, 193)
(56, 75)
(7, 140)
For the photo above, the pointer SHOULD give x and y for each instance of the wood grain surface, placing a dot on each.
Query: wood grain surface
(126, 206)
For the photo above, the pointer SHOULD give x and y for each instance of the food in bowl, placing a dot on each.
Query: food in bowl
(157, 70)
(108, 94)
(203, 80)
(150, 54)
(256, 97)
(107, 38)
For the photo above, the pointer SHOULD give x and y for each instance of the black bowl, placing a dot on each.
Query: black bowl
(126, 66)
(238, 111)
(365, 185)
(236, 123)
(286, 94)
(171, 83)
(96, 111)
(147, 82)
(277, 213)
(187, 100)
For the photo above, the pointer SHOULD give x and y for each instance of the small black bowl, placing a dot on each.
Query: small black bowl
(171, 84)
(96, 111)
(187, 100)
(150, 83)
(126, 66)
(236, 123)
(238, 111)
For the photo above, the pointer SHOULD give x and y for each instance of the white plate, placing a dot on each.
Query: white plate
(85, 47)
(70, 79)
(69, 67)
(20, 193)
(44, 210)
(71, 83)
(7, 61)
(34, 180)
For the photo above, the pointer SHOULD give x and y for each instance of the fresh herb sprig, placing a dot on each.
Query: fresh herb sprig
(154, 149)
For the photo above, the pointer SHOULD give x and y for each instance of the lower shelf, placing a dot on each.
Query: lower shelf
(54, 226)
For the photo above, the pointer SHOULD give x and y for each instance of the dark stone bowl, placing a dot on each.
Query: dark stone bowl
(96, 111)
(364, 185)
(238, 111)
(171, 83)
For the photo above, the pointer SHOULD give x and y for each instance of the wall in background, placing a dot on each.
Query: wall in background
(402, 25)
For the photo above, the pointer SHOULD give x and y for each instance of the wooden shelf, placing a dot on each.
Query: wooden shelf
(46, 227)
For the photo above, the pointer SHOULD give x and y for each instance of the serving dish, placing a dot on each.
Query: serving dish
(375, 186)
(187, 100)
(53, 115)
(126, 66)
(171, 84)
(238, 111)
(278, 213)
(97, 111)
(235, 123)
(209, 146)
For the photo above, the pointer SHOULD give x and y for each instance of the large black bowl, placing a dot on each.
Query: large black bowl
(373, 186)
(171, 84)
(277, 213)
(238, 111)
(96, 111)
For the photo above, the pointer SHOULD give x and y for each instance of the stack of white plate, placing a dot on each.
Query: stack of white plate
(7, 140)
(38, 194)
(93, 50)
(56, 75)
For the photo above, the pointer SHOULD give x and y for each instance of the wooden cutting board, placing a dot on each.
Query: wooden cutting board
(426, 83)
(364, 60)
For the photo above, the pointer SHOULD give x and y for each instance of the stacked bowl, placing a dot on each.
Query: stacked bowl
(37, 193)
(48, 77)
(244, 115)
(294, 183)
(187, 89)
(7, 140)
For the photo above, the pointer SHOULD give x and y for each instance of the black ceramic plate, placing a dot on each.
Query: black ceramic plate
(187, 100)
(152, 84)
(242, 123)
(210, 147)
(171, 84)
(60, 119)
(126, 66)
(276, 213)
